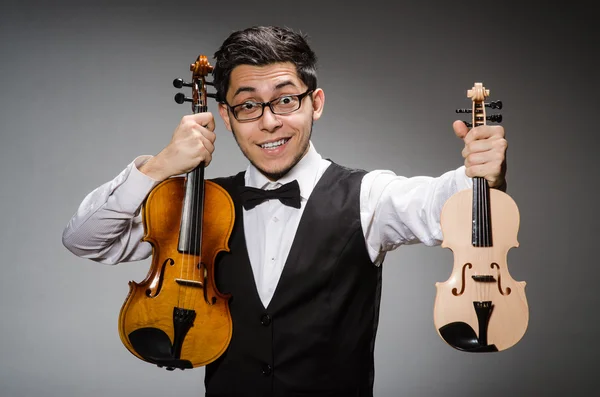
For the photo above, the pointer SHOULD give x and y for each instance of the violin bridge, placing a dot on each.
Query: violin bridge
(189, 283)
(484, 278)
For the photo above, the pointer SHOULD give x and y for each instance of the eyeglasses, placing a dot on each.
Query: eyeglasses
(250, 110)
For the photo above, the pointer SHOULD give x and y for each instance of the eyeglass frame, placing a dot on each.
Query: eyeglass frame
(269, 104)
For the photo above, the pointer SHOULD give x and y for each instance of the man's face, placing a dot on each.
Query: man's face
(274, 143)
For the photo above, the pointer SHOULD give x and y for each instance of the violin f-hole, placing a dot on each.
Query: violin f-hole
(508, 290)
(159, 280)
(462, 289)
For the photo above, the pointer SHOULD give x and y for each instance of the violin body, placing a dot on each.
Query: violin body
(480, 308)
(502, 322)
(176, 317)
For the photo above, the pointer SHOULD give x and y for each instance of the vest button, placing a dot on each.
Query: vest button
(267, 370)
(265, 320)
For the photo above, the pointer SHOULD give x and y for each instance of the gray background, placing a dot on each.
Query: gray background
(86, 87)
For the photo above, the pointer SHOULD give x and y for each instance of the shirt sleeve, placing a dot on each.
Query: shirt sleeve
(107, 226)
(397, 210)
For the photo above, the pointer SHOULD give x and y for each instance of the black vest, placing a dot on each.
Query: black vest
(316, 338)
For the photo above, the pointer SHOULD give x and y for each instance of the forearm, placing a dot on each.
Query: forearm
(107, 226)
(397, 210)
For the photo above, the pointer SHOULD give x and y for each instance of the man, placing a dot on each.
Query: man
(305, 278)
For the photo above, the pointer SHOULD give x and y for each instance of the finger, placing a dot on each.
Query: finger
(193, 124)
(205, 119)
(490, 171)
(494, 142)
(207, 159)
(460, 129)
(480, 146)
(489, 157)
(207, 144)
(206, 133)
(484, 132)
(194, 151)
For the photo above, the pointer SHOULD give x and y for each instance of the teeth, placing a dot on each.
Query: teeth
(271, 145)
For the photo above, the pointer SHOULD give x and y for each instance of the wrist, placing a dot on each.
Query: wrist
(154, 169)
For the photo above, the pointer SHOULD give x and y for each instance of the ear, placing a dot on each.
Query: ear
(224, 112)
(318, 103)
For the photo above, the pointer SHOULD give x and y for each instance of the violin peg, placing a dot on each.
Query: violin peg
(179, 83)
(464, 110)
(496, 118)
(494, 105)
(468, 124)
(181, 98)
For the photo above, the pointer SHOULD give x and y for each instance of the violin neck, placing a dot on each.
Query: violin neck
(190, 231)
(482, 220)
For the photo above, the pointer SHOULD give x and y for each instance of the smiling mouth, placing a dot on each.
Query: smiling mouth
(276, 144)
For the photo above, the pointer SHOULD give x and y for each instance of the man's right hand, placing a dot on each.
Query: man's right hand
(191, 144)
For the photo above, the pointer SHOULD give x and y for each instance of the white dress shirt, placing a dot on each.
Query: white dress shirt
(394, 210)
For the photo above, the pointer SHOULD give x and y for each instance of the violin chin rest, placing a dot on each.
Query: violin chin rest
(155, 346)
(461, 336)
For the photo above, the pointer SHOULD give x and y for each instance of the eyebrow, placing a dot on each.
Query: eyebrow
(252, 89)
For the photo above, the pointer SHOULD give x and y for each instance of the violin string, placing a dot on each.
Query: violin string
(193, 255)
(488, 230)
(475, 212)
(486, 225)
(196, 259)
(198, 219)
(479, 236)
(192, 224)
(484, 220)
(478, 203)
(192, 234)
(190, 246)
(200, 271)
(185, 251)
(482, 212)
(197, 268)
(481, 232)
(194, 244)
(486, 192)
(478, 227)
(182, 254)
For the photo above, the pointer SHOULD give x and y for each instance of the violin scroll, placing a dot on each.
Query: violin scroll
(478, 94)
(200, 69)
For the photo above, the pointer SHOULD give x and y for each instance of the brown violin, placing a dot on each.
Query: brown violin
(176, 317)
(480, 308)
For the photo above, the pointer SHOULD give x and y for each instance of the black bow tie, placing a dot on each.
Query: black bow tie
(288, 194)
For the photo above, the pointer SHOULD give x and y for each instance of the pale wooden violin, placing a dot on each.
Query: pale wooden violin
(480, 308)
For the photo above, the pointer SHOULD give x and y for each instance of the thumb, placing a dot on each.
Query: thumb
(460, 129)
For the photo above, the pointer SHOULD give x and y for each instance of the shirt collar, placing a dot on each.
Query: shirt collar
(305, 172)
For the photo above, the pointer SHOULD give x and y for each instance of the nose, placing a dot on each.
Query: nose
(269, 121)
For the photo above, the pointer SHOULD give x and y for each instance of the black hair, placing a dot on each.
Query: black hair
(260, 46)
